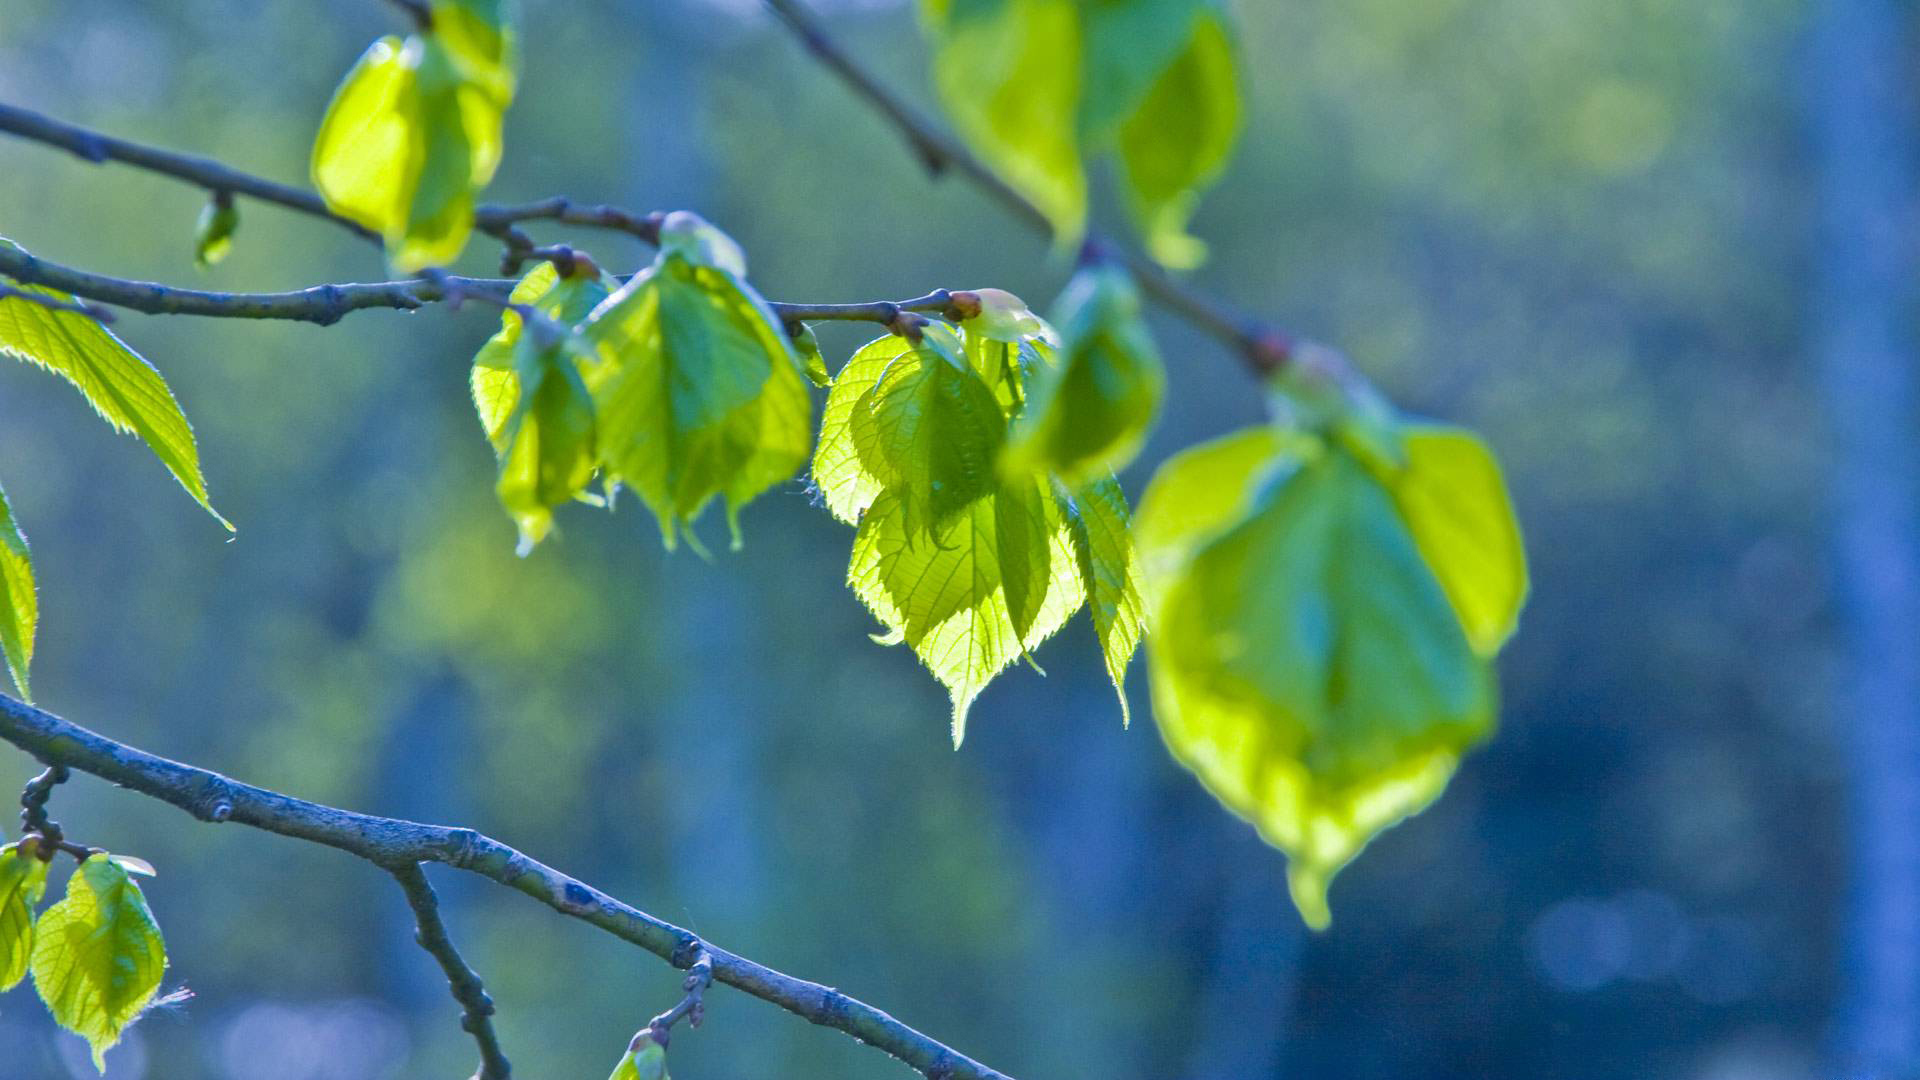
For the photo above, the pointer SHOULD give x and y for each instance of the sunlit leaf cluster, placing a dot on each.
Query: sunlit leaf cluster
(414, 131)
(680, 385)
(1041, 87)
(96, 954)
(969, 560)
(1326, 605)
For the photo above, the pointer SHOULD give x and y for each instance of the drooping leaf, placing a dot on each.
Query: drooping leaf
(1110, 573)
(97, 955)
(213, 233)
(123, 388)
(1009, 74)
(1127, 46)
(482, 38)
(19, 606)
(844, 484)
(815, 365)
(945, 590)
(930, 431)
(550, 455)
(1175, 145)
(567, 301)
(414, 131)
(1455, 503)
(698, 389)
(23, 879)
(645, 1059)
(1087, 414)
(1306, 663)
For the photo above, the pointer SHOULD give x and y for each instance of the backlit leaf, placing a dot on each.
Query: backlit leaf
(123, 388)
(549, 456)
(1175, 145)
(698, 389)
(1306, 663)
(482, 38)
(567, 301)
(213, 233)
(930, 431)
(1009, 74)
(1110, 574)
(846, 486)
(414, 131)
(1087, 414)
(19, 606)
(23, 878)
(97, 955)
(645, 1059)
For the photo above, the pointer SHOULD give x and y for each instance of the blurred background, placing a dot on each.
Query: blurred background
(1614, 236)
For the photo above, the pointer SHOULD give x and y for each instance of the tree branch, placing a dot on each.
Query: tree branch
(393, 844)
(327, 304)
(462, 980)
(1263, 347)
(490, 218)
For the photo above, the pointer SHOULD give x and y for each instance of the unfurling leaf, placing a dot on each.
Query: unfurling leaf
(213, 234)
(1009, 74)
(19, 606)
(1307, 664)
(533, 402)
(697, 386)
(645, 1059)
(1178, 141)
(123, 388)
(97, 955)
(23, 879)
(1037, 86)
(1087, 415)
(815, 365)
(970, 566)
(414, 132)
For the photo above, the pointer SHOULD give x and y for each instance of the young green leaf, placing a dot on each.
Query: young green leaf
(567, 301)
(19, 606)
(645, 1059)
(844, 484)
(213, 233)
(1307, 665)
(1110, 573)
(482, 37)
(23, 879)
(974, 594)
(1175, 145)
(1009, 74)
(414, 131)
(123, 388)
(1087, 414)
(549, 456)
(698, 389)
(98, 955)
(814, 364)
(930, 431)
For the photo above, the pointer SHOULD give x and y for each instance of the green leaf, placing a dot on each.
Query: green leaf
(411, 134)
(23, 879)
(1307, 666)
(123, 388)
(844, 484)
(698, 389)
(930, 431)
(815, 365)
(952, 592)
(567, 301)
(1455, 503)
(19, 606)
(550, 456)
(98, 955)
(213, 233)
(482, 37)
(1128, 45)
(1087, 415)
(1110, 574)
(645, 1059)
(1009, 74)
(1175, 145)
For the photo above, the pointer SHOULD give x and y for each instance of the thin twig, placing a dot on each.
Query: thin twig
(1263, 347)
(463, 981)
(692, 1004)
(218, 178)
(388, 842)
(327, 304)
